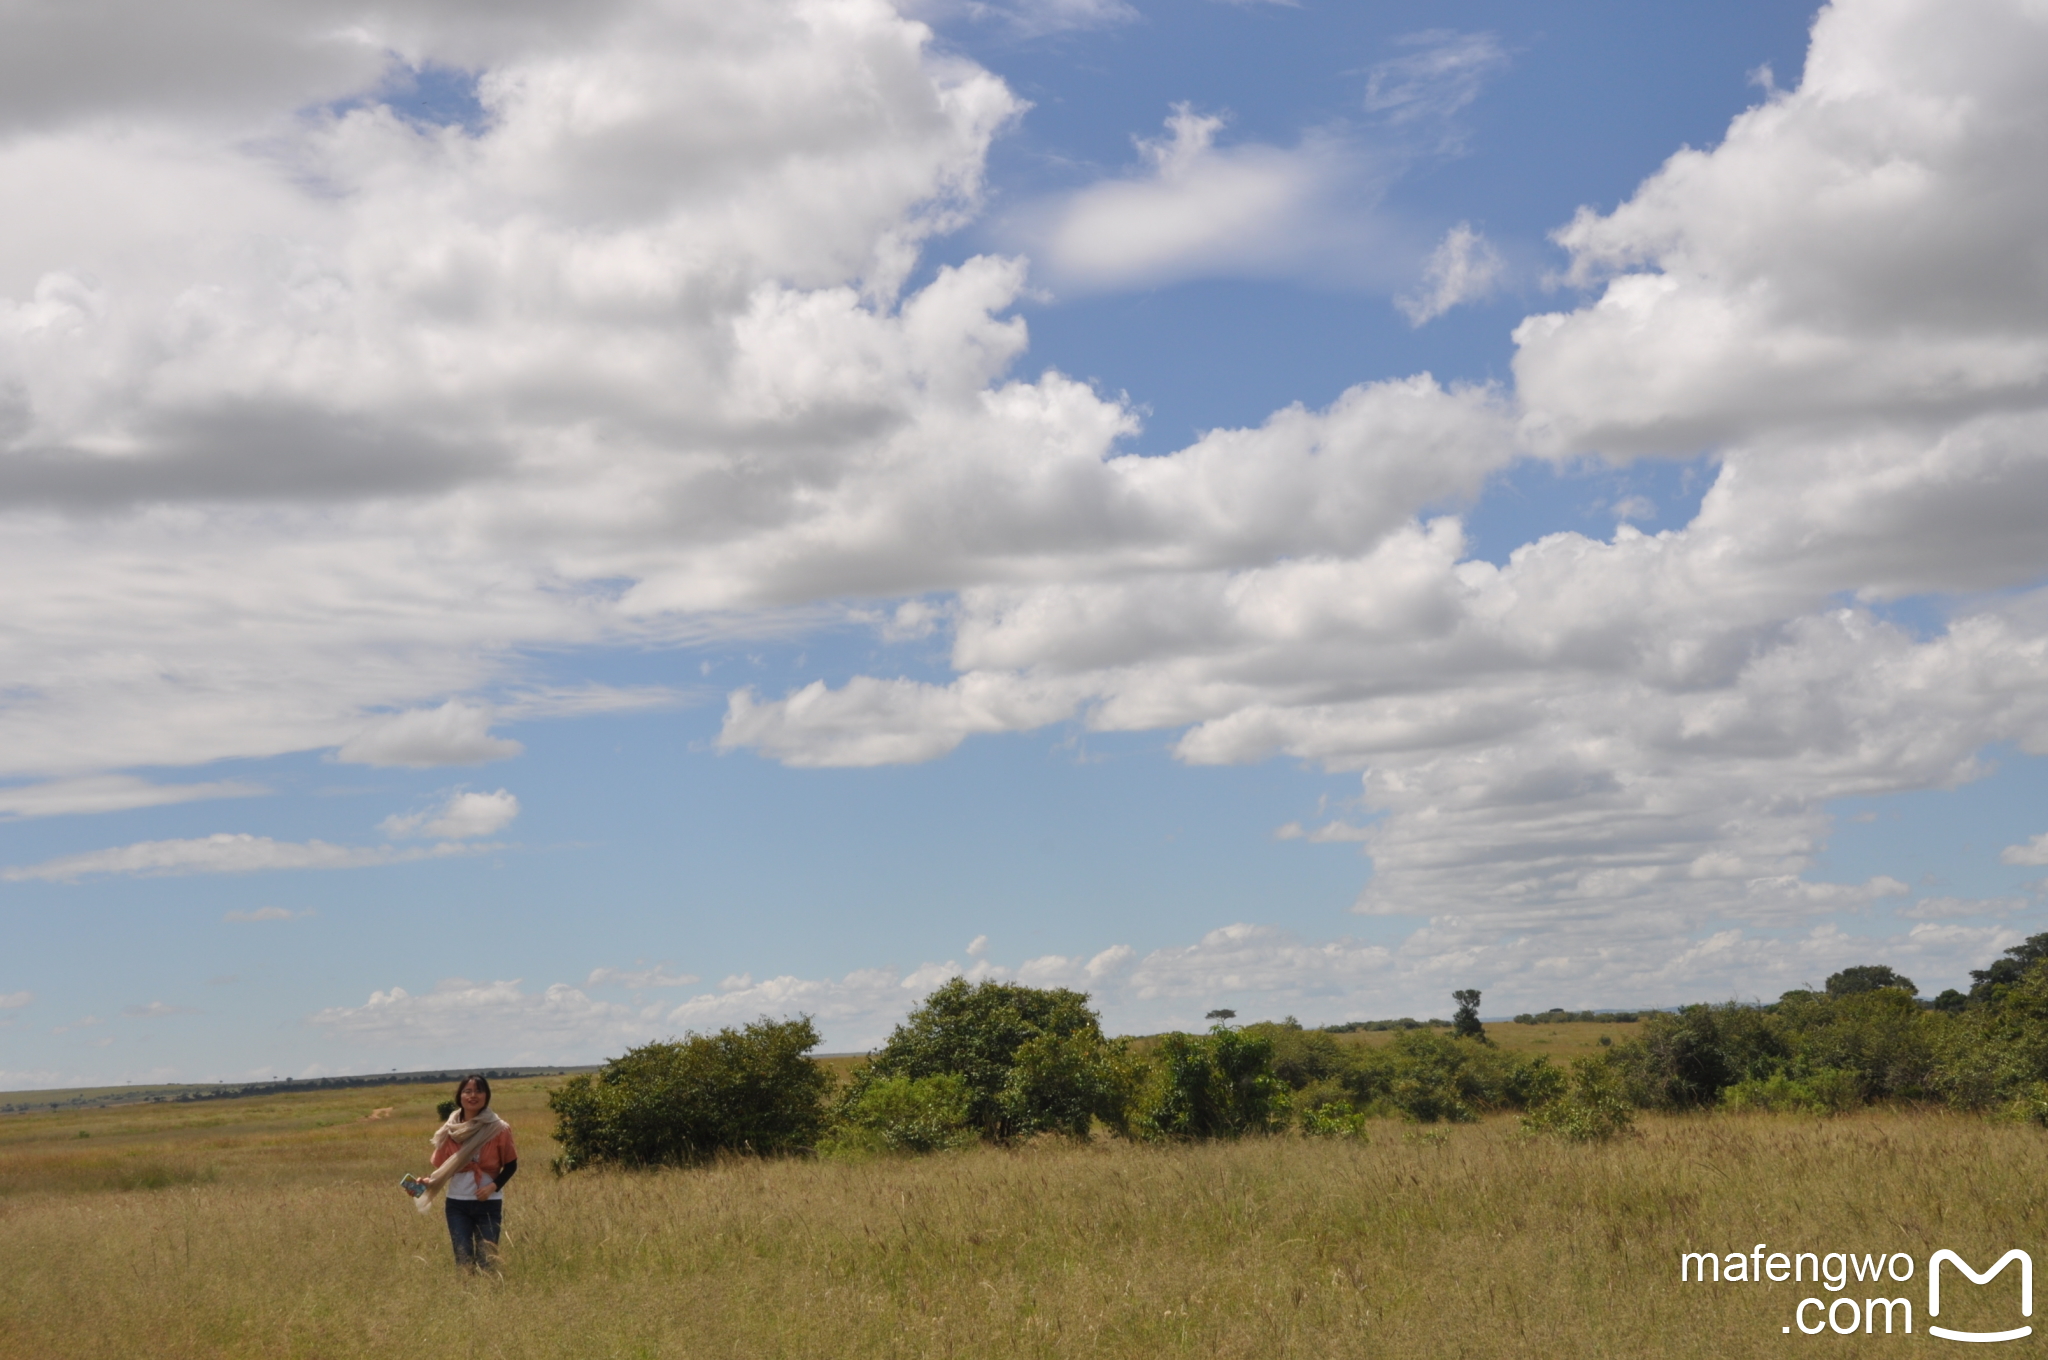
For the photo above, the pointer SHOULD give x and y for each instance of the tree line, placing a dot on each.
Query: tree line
(1000, 1062)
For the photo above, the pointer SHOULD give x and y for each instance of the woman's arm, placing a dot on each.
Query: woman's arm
(504, 1174)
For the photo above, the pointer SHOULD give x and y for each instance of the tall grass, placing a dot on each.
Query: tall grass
(1470, 1241)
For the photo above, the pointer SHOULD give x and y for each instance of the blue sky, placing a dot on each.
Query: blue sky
(532, 535)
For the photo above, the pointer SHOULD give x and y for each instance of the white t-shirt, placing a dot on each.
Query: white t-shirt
(465, 1183)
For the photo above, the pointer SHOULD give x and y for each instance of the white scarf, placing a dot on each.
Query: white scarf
(469, 1135)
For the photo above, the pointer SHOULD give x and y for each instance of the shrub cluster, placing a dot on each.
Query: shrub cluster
(1558, 1015)
(754, 1090)
(1863, 1039)
(1001, 1062)
(1422, 1074)
(1028, 1059)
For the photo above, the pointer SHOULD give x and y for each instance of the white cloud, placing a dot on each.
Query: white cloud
(267, 914)
(1327, 833)
(2034, 851)
(1033, 18)
(1950, 908)
(526, 1027)
(1442, 74)
(1857, 249)
(638, 979)
(156, 1010)
(1197, 209)
(15, 1000)
(358, 413)
(1636, 731)
(1463, 268)
(1261, 970)
(111, 793)
(1025, 18)
(884, 722)
(464, 816)
(223, 853)
(453, 734)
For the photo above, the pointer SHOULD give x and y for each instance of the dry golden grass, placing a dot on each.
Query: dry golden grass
(282, 1233)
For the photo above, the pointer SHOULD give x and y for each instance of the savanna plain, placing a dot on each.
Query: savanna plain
(273, 1226)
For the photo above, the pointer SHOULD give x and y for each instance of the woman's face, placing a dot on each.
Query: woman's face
(473, 1097)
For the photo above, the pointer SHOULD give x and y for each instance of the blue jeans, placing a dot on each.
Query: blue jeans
(471, 1223)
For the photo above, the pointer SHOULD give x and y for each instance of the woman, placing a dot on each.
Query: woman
(473, 1158)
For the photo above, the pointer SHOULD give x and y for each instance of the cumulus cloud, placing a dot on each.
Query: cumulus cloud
(415, 388)
(15, 1000)
(1646, 731)
(464, 816)
(1855, 249)
(364, 405)
(1463, 268)
(2034, 851)
(222, 853)
(1197, 209)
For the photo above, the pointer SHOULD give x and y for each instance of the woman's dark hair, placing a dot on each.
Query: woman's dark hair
(483, 1083)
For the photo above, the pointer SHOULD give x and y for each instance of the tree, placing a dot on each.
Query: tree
(1033, 1059)
(2010, 969)
(1465, 1022)
(684, 1101)
(1868, 978)
(1221, 1014)
(1218, 1085)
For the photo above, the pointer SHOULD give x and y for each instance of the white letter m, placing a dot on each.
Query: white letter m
(2026, 1293)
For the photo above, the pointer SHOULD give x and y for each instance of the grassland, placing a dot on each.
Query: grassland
(1561, 1042)
(271, 1227)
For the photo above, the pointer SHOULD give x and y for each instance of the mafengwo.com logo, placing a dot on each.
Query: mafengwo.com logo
(1872, 1293)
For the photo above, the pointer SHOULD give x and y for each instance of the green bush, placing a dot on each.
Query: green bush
(1831, 1090)
(1686, 1059)
(681, 1102)
(1302, 1057)
(1033, 1059)
(1592, 1106)
(905, 1114)
(1218, 1085)
(1333, 1121)
(1880, 1035)
(1430, 1077)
